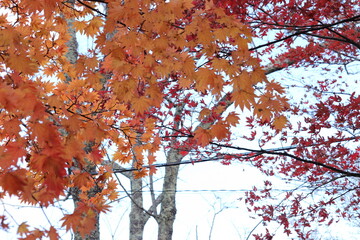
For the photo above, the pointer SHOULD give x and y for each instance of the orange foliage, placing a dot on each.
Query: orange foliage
(144, 53)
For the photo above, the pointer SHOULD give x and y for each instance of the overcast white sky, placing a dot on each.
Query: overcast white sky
(196, 208)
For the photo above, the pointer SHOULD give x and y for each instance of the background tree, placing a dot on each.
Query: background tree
(322, 129)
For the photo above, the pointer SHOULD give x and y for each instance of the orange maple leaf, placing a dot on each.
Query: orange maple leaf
(71, 221)
(280, 122)
(13, 182)
(22, 64)
(140, 104)
(220, 131)
(232, 119)
(82, 179)
(52, 234)
(274, 86)
(93, 26)
(202, 136)
(23, 228)
(140, 173)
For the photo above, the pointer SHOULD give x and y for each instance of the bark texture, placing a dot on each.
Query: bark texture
(167, 214)
(95, 234)
(137, 216)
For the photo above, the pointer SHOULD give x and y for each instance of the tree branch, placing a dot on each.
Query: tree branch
(131, 198)
(153, 207)
(285, 154)
(297, 33)
(90, 7)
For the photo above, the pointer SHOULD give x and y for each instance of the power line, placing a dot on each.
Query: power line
(159, 165)
(248, 154)
(209, 190)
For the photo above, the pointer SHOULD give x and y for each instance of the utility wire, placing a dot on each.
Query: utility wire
(248, 154)
(211, 190)
(159, 165)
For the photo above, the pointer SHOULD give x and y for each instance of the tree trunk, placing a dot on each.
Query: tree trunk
(137, 216)
(168, 204)
(95, 234)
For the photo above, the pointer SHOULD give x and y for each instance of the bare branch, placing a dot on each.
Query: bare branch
(131, 198)
(90, 7)
(307, 30)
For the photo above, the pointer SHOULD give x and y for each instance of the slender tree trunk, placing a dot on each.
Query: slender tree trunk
(167, 215)
(168, 205)
(137, 216)
(165, 219)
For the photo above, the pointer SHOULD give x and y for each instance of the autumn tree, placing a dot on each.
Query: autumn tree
(161, 76)
(319, 145)
(58, 112)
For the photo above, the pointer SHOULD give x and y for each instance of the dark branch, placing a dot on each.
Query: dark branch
(285, 154)
(320, 27)
(90, 7)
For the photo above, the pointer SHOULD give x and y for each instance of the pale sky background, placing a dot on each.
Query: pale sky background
(196, 208)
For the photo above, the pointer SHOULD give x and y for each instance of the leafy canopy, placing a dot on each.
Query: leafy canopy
(148, 60)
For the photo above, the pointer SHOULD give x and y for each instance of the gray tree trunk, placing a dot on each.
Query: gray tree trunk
(167, 214)
(95, 234)
(137, 216)
(165, 219)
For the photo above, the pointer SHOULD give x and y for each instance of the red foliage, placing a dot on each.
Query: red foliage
(324, 128)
